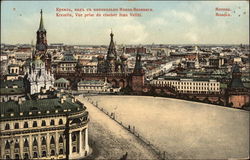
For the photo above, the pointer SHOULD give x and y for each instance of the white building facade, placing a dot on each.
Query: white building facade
(189, 85)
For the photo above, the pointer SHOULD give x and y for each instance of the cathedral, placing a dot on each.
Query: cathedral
(112, 63)
(38, 77)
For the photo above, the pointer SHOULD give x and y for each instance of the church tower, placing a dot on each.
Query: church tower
(41, 39)
(41, 44)
(138, 75)
(111, 56)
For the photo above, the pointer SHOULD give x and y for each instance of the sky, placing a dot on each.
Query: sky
(169, 22)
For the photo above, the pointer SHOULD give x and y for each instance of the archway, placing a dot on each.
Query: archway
(114, 83)
(122, 83)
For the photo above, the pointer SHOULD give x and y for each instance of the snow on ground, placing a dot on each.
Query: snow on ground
(183, 129)
(109, 140)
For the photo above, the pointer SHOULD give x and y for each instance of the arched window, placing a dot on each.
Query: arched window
(26, 156)
(61, 151)
(35, 155)
(16, 126)
(52, 153)
(43, 141)
(52, 140)
(7, 156)
(7, 126)
(26, 125)
(52, 122)
(35, 142)
(16, 156)
(74, 149)
(34, 124)
(60, 139)
(16, 145)
(60, 121)
(7, 145)
(74, 137)
(44, 154)
(43, 123)
(26, 143)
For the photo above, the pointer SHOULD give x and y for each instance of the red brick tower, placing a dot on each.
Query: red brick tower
(41, 44)
(138, 75)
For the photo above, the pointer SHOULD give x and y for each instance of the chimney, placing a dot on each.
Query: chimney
(64, 97)
(62, 100)
(43, 90)
(58, 95)
(20, 101)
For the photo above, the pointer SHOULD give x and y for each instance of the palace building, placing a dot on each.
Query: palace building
(41, 123)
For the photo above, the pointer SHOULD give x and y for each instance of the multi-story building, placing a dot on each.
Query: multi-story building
(43, 129)
(189, 85)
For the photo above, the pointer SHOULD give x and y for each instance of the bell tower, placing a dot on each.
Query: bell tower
(41, 44)
(41, 39)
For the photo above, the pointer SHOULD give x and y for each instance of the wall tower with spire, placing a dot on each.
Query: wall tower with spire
(41, 44)
(138, 75)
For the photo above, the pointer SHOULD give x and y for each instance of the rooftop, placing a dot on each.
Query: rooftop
(40, 107)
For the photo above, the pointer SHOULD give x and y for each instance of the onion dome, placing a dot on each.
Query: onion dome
(124, 57)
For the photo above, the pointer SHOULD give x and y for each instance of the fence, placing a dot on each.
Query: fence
(161, 154)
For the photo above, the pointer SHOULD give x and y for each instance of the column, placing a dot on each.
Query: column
(86, 140)
(57, 143)
(30, 146)
(12, 148)
(21, 147)
(39, 145)
(70, 142)
(80, 143)
(48, 144)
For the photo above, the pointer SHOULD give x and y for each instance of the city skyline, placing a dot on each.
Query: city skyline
(164, 25)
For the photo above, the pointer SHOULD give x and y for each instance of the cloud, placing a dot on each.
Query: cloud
(191, 37)
(180, 15)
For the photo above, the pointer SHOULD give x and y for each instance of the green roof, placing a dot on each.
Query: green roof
(10, 83)
(40, 105)
(11, 91)
(62, 80)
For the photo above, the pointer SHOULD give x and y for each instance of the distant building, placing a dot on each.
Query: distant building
(94, 86)
(11, 90)
(62, 84)
(67, 64)
(189, 85)
(238, 94)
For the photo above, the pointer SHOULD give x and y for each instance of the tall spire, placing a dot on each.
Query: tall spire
(41, 27)
(111, 49)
